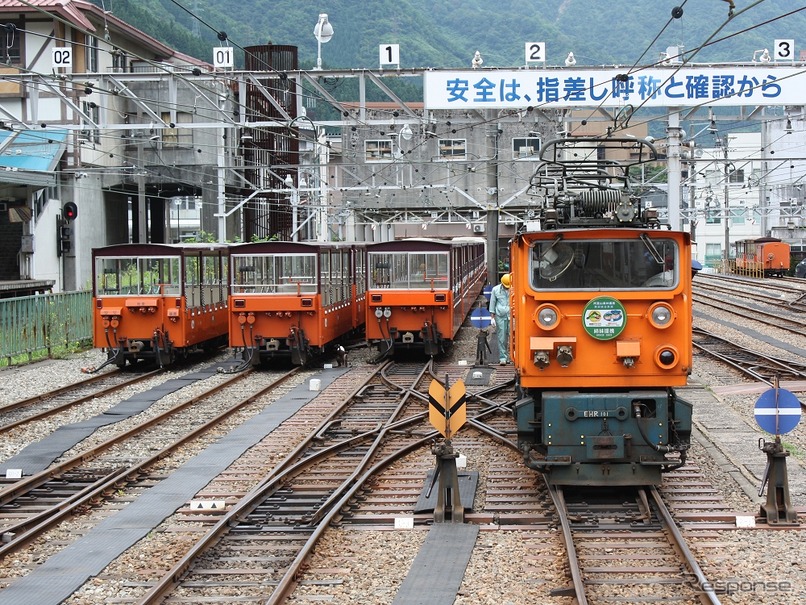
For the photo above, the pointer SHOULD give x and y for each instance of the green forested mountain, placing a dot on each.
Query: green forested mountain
(446, 33)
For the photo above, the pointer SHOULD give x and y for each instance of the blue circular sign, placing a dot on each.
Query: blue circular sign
(480, 318)
(487, 291)
(777, 411)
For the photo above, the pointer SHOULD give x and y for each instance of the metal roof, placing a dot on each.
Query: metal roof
(70, 9)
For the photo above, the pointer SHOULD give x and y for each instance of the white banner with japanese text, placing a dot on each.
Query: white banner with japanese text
(685, 86)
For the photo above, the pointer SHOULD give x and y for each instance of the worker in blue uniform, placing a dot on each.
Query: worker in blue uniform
(499, 311)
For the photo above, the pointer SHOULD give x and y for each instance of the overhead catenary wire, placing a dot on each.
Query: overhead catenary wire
(387, 167)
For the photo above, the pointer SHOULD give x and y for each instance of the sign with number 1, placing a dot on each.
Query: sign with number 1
(389, 54)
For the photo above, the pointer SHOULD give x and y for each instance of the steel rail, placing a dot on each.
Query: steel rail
(251, 500)
(793, 325)
(331, 506)
(706, 591)
(558, 498)
(23, 486)
(64, 406)
(7, 407)
(27, 530)
(774, 365)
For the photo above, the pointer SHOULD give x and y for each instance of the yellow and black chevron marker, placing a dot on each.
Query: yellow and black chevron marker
(447, 411)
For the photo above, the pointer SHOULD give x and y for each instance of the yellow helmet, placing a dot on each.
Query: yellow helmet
(506, 280)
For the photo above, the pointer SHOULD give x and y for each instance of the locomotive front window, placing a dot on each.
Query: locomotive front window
(274, 274)
(635, 264)
(409, 270)
(137, 276)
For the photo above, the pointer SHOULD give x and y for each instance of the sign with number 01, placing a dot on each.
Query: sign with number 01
(389, 54)
(223, 57)
(62, 57)
(784, 50)
(535, 52)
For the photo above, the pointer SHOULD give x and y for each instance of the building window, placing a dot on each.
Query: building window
(713, 211)
(737, 176)
(378, 150)
(453, 149)
(177, 137)
(13, 42)
(93, 112)
(92, 54)
(713, 252)
(525, 147)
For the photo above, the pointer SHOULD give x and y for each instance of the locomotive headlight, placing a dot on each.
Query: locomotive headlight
(661, 315)
(666, 357)
(547, 317)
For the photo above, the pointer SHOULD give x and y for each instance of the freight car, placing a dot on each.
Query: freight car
(420, 290)
(294, 300)
(157, 302)
(601, 323)
(762, 257)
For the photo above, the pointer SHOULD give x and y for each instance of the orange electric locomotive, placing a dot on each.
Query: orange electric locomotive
(601, 324)
(421, 290)
(158, 301)
(762, 257)
(294, 299)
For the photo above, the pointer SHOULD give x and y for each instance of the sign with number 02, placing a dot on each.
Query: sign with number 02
(62, 57)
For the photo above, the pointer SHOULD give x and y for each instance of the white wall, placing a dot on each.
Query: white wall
(46, 264)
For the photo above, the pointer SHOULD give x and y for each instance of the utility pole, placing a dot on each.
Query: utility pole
(726, 254)
(493, 213)
(221, 191)
(142, 223)
(692, 196)
(673, 167)
(762, 183)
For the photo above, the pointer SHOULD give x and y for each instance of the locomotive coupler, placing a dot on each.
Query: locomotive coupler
(778, 509)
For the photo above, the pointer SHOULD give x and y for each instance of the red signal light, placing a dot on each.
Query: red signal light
(70, 211)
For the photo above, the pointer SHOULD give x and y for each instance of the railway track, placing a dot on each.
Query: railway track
(753, 364)
(779, 316)
(274, 527)
(55, 401)
(279, 521)
(787, 287)
(32, 505)
(361, 467)
(626, 543)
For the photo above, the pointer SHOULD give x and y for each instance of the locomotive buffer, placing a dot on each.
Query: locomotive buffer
(447, 412)
(777, 411)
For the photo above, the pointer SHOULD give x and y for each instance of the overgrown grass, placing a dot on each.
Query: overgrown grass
(60, 352)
